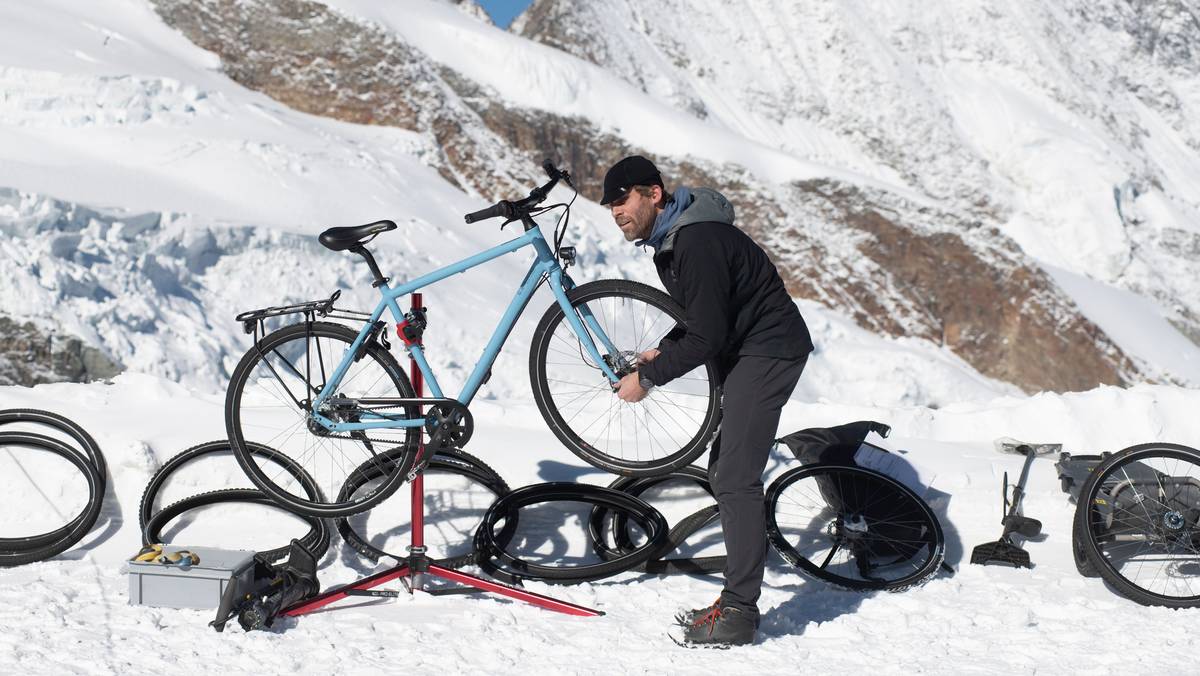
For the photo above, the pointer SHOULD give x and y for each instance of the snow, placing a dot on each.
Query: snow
(149, 125)
(1027, 117)
(188, 193)
(530, 75)
(71, 614)
(1134, 323)
(145, 199)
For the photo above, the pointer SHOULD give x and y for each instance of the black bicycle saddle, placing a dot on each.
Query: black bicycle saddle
(340, 239)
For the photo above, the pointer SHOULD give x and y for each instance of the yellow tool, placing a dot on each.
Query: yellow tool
(149, 553)
(155, 554)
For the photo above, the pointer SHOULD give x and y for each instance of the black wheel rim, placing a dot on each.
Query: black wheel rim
(854, 528)
(1142, 511)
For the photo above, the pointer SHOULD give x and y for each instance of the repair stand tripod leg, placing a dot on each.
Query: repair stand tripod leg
(414, 571)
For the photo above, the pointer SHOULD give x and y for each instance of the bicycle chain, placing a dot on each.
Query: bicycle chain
(363, 436)
(423, 459)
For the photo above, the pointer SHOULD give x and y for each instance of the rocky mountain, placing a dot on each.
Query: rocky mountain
(918, 210)
(940, 267)
(1072, 127)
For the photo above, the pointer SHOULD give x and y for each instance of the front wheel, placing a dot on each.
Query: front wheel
(665, 431)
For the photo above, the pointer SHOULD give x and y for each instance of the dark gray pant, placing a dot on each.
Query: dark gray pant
(755, 390)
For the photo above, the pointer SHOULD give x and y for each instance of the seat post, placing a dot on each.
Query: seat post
(361, 250)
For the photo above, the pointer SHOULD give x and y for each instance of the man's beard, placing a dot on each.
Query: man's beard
(639, 230)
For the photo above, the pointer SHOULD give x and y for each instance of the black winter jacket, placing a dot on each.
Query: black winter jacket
(733, 298)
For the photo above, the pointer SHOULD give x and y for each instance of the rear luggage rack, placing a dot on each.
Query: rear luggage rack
(252, 321)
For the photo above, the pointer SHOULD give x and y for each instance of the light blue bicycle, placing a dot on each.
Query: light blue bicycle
(335, 400)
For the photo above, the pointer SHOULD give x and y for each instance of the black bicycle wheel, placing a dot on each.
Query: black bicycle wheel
(854, 528)
(268, 403)
(510, 568)
(1138, 518)
(460, 487)
(21, 550)
(665, 431)
(1082, 563)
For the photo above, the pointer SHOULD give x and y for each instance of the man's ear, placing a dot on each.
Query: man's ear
(660, 196)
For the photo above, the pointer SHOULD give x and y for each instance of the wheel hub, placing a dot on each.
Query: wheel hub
(1173, 520)
(336, 413)
(622, 363)
(855, 526)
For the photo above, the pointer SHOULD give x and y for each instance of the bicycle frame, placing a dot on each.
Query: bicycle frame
(544, 265)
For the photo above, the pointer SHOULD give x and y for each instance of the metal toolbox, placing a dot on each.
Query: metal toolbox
(199, 586)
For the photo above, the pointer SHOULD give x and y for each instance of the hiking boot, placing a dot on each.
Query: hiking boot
(685, 618)
(720, 628)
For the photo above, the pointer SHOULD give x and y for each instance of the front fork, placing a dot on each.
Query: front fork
(584, 324)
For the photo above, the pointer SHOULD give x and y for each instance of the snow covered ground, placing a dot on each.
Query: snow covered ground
(71, 615)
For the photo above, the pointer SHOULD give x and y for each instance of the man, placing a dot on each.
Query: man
(738, 313)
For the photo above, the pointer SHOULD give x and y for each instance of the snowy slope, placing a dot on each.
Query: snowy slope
(189, 199)
(1071, 126)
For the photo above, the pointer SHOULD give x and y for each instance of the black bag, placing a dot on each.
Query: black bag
(272, 589)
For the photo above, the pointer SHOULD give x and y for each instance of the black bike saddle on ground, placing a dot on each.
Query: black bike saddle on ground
(340, 239)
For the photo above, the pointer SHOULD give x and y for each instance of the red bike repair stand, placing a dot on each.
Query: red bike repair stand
(418, 566)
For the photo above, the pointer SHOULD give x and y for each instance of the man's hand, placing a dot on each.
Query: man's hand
(630, 389)
(648, 356)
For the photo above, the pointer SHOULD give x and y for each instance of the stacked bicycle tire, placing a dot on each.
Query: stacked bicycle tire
(617, 508)
(82, 452)
(153, 521)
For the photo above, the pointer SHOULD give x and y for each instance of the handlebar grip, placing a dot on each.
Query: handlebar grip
(501, 208)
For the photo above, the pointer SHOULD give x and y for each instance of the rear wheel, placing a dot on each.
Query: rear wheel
(667, 430)
(269, 404)
(1138, 521)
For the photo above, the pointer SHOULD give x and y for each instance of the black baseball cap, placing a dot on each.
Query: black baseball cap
(631, 171)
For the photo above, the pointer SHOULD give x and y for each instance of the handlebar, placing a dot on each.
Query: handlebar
(502, 208)
(519, 209)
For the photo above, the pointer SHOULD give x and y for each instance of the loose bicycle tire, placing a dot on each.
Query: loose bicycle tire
(66, 426)
(22, 550)
(671, 453)
(680, 532)
(176, 462)
(452, 461)
(315, 541)
(930, 535)
(623, 541)
(1145, 524)
(497, 561)
(402, 455)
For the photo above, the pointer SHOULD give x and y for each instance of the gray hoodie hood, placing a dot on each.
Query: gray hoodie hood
(708, 206)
